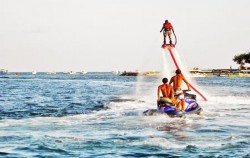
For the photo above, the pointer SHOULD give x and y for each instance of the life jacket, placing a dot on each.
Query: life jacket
(167, 26)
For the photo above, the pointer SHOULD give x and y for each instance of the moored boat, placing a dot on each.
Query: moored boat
(241, 73)
(125, 73)
(33, 72)
(152, 73)
(3, 72)
(83, 72)
(197, 73)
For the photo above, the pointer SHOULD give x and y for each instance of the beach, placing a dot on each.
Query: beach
(100, 114)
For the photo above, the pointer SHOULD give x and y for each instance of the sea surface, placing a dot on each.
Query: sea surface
(100, 115)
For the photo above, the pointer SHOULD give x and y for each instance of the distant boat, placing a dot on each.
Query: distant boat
(222, 75)
(83, 72)
(152, 73)
(33, 72)
(116, 72)
(70, 72)
(241, 73)
(51, 73)
(197, 73)
(3, 72)
(125, 73)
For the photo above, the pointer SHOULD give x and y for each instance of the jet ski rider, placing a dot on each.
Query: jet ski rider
(177, 81)
(167, 93)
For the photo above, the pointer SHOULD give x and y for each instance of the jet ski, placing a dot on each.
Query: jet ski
(192, 107)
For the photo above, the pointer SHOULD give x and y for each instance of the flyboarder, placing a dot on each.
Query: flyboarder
(167, 29)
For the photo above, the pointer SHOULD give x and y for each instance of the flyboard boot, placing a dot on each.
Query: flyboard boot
(164, 44)
(167, 45)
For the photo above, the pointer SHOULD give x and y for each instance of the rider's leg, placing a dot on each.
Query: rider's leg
(169, 36)
(164, 37)
(178, 105)
(183, 106)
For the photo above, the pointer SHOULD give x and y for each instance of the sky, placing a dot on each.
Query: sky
(112, 35)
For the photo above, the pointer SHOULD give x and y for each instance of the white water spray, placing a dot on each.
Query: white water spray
(186, 73)
(168, 67)
(182, 66)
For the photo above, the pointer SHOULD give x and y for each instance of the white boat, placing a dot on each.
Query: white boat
(197, 73)
(33, 72)
(152, 73)
(51, 73)
(3, 72)
(70, 72)
(83, 72)
(116, 72)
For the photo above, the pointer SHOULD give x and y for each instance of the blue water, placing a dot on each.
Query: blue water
(100, 115)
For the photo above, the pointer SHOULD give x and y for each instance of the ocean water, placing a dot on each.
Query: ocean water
(100, 115)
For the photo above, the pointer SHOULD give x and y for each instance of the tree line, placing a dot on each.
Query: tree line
(242, 59)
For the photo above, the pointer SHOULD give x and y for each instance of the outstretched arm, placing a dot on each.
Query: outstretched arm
(162, 28)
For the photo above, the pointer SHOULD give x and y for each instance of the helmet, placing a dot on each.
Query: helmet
(166, 20)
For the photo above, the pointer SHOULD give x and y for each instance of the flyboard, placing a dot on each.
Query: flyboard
(170, 47)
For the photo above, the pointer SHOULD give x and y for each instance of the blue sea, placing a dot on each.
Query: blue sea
(101, 115)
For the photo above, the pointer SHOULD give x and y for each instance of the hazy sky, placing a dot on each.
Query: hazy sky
(106, 35)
